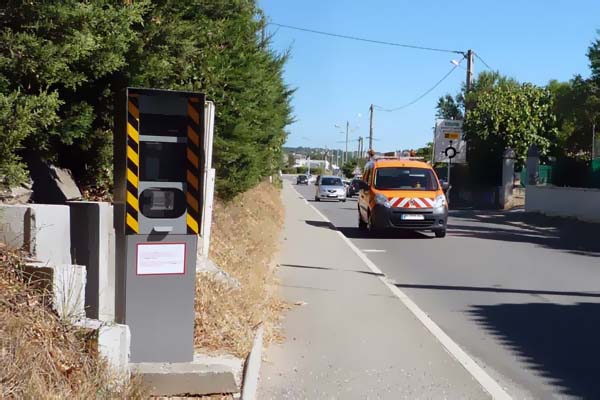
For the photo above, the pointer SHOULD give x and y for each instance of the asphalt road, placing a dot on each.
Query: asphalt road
(347, 336)
(519, 293)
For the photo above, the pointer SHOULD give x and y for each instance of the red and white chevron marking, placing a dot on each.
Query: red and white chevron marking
(411, 202)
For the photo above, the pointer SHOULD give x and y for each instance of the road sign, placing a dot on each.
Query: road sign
(449, 133)
(450, 152)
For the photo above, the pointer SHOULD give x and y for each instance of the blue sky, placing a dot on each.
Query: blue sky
(337, 79)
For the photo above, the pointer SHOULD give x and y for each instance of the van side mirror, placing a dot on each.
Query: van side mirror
(445, 186)
(362, 185)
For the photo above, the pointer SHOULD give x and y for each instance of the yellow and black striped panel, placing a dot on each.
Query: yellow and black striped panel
(193, 152)
(133, 165)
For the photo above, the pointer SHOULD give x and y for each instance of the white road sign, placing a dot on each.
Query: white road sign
(449, 133)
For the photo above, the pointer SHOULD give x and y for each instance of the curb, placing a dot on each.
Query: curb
(252, 366)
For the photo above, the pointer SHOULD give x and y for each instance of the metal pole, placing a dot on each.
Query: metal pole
(346, 153)
(371, 127)
(449, 166)
(360, 147)
(593, 140)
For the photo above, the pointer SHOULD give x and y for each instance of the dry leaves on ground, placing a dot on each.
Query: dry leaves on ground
(42, 358)
(245, 238)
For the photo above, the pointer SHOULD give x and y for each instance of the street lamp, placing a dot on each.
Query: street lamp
(345, 158)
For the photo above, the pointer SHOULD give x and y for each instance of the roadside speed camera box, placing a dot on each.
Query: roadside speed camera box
(158, 172)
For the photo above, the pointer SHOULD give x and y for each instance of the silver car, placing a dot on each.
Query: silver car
(330, 188)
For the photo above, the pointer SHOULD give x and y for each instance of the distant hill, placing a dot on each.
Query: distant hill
(313, 151)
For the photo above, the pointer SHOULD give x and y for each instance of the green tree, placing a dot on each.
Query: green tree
(505, 114)
(77, 54)
(348, 168)
(593, 55)
(55, 60)
(425, 152)
(448, 108)
(577, 108)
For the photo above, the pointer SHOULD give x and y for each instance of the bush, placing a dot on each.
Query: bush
(62, 62)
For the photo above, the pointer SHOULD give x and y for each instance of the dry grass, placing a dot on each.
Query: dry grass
(41, 358)
(245, 237)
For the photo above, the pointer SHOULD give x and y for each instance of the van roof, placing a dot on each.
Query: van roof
(400, 162)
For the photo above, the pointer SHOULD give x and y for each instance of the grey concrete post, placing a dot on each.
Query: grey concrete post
(533, 165)
(93, 245)
(508, 176)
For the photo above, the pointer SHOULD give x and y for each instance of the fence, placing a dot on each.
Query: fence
(595, 173)
(544, 175)
(568, 172)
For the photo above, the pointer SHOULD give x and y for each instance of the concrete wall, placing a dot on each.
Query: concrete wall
(51, 233)
(92, 245)
(15, 226)
(580, 203)
(41, 229)
(65, 282)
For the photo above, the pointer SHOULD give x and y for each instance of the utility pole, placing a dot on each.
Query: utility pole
(593, 140)
(371, 127)
(360, 146)
(358, 149)
(469, 70)
(346, 153)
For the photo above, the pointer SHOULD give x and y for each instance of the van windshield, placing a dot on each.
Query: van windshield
(404, 178)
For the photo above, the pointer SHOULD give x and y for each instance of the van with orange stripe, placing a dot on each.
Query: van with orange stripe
(402, 193)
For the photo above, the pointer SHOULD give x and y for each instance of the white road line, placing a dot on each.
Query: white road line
(486, 381)
(373, 251)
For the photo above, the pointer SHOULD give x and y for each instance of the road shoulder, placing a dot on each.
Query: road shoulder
(349, 336)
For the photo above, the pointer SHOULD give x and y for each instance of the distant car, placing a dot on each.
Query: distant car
(302, 180)
(330, 188)
(353, 187)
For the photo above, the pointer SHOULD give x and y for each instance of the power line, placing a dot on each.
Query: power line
(483, 61)
(409, 46)
(421, 96)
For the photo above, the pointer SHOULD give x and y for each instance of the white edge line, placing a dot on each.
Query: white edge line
(485, 380)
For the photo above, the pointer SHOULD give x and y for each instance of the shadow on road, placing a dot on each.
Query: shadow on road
(498, 290)
(331, 269)
(556, 233)
(559, 342)
(321, 224)
(356, 233)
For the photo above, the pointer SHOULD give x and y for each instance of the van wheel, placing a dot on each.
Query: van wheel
(372, 230)
(440, 234)
(362, 225)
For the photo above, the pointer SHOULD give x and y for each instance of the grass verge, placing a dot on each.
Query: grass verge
(42, 358)
(245, 238)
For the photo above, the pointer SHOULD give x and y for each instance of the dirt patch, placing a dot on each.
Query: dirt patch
(245, 238)
(42, 358)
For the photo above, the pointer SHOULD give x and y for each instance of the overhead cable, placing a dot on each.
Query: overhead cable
(483, 61)
(421, 96)
(409, 46)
